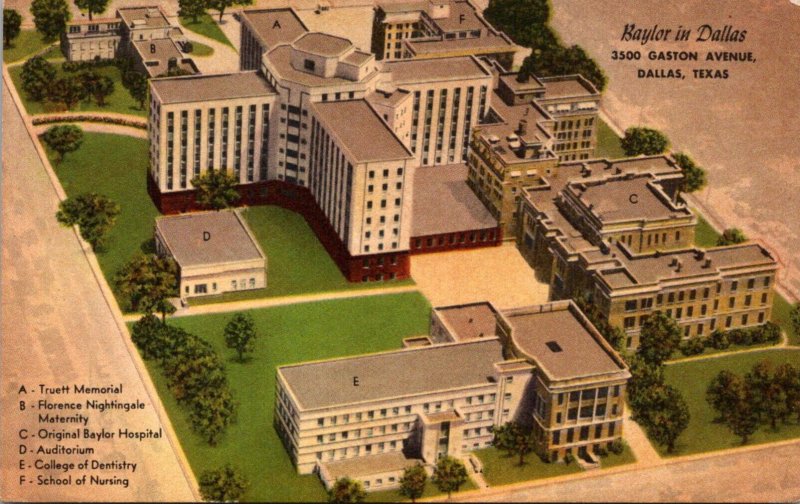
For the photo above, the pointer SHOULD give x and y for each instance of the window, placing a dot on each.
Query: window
(630, 305)
(734, 286)
(556, 437)
(572, 414)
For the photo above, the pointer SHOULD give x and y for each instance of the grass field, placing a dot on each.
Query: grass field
(430, 491)
(287, 334)
(692, 378)
(500, 469)
(206, 26)
(26, 44)
(115, 166)
(201, 50)
(608, 143)
(704, 234)
(780, 315)
(119, 101)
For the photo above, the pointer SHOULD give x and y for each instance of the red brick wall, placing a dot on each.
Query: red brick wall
(472, 239)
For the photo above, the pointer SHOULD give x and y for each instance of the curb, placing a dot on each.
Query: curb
(110, 301)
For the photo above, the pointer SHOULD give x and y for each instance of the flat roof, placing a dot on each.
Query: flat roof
(470, 321)
(322, 44)
(444, 203)
(281, 58)
(486, 43)
(205, 238)
(160, 50)
(454, 21)
(621, 199)
(388, 98)
(558, 339)
(209, 87)
(275, 26)
(151, 15)
(435, 69)
(385, 375)
(568, 86)
(532, 83)
(356, 467)
(361, 131)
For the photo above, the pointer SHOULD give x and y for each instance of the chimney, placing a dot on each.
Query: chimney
(523, 126)
(674, 261)
(172, 63)
(707, 262)
(679, 267)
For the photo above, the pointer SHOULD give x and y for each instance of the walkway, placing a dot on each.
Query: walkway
(253, 304)
(59, 327)
(93, 127)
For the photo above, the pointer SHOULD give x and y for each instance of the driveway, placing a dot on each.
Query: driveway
(742, 129)
(58, 330)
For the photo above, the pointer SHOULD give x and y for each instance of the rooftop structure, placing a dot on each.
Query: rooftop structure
(159, 56)
(421, 70)
(211, 87)
(143, 16)
(468, 322)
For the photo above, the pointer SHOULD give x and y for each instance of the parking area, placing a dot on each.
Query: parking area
(497, 274)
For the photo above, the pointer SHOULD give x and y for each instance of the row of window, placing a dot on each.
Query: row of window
(568, 435)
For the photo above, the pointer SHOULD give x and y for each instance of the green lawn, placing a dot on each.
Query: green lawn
(704, 234)
(499, 469)
(692, 378)
(27, 43)
(115, 166)
(200, 50)
(296, 261)
(119, 101)
(614, 460)
(608, 143)
(207, 26)
(287, 334)
(780, 315)
(430, 491)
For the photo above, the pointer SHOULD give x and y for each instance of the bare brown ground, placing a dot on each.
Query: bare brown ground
(743, 130)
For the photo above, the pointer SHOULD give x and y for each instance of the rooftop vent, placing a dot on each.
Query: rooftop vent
(523, 126)
(152, 12)
(674, 261)
(493, 139)
(512, 137)
(553, 346)
(707, 262)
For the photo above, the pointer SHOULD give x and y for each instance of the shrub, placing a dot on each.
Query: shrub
(693, 346)
(569, 458)
(767, 333)
(719, 340)
(617, 447)
(602, 452)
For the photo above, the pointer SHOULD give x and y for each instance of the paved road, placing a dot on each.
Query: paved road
(742, 129)
(767, 475)
(58, 330)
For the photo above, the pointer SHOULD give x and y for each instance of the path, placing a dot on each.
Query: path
(253, 304)
(59, 329)
(93, 127)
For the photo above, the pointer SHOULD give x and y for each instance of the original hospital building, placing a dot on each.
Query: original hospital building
(544, 366)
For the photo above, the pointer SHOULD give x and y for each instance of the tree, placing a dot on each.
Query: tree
(731, 236)
(767, 396)
(724, 393)
(136, 83)
(553, 59)
(221, 5)
(645, 141)
(92, 6)
(37, 76)
(68, 90)
(192, 9)
(503, 439)
(449, 475)
(148, 281)
(50, 17)
(513, 438)
(145, 335)
(660, 336)
(614, 335)
(515, 17)
(240, 334)
(212, 412)
(97, 86)
(668, 416)
(12, 23)
(215, 189)
(63, 138)
(412, 484)
(225, 484)
(193, 369)
(94, 214)
(788, 377)
(346, 490)
(743, 420)
(694, 177)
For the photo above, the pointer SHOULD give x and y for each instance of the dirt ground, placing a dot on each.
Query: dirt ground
(497, 274)
(742, 129)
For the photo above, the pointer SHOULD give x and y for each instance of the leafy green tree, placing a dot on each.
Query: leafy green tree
(63, 138)
(145, 334)
(226, 484)
(37, 76)
(212, 412)
(767, 395)
(660, 336)
(724, 393)
(192, 9)
(556, 60)
(503, 439)
(645, 141)
(788, 378)
(12, 23)
(94, 214)
(668, 416)
(346, 490)
(731, 236)
(240, 334)
(50, 17)
(97, 86)
(515, 439)
(413, 481)
(221, 5)
(516, 17)
(193, 368)
(92, 6)
(614, 335)
(694, 177)
(743, 420)
(148, 281)
(216, 189)
(137, 85)
(68, 90)
(449, 475)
